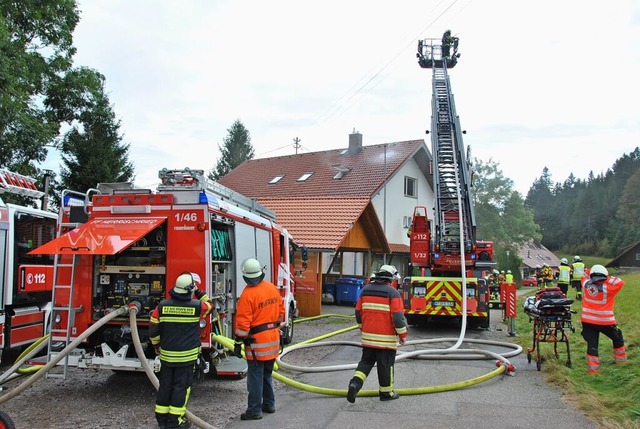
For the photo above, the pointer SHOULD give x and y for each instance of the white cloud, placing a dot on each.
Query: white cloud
(538, 84)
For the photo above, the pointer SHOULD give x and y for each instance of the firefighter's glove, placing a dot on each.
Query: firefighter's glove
(199, 293)
(237, 348)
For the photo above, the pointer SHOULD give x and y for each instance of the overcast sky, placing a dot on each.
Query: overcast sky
(544, 83)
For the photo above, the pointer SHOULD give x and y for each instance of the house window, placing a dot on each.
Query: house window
(637, 256)
(410, 187)
(304, 177)
(276, 179)
(337, 263)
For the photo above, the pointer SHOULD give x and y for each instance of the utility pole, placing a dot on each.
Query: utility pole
(45, 197)
(296, 144)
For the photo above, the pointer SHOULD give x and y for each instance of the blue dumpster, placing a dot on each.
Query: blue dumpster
(348, 290)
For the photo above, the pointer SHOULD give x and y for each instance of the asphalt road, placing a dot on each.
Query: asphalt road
(523, 400)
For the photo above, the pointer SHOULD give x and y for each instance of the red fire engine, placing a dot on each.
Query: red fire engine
(25, 280)
(445, 255)
(126, 244)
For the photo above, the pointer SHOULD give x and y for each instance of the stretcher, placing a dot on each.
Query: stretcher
(551, 318)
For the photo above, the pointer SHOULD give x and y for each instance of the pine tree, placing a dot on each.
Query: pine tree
(92, 150)
(235, 150)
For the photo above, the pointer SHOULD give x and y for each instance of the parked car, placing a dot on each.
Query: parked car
(530, 281)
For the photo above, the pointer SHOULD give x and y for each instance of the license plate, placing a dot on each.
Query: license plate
(442, 303)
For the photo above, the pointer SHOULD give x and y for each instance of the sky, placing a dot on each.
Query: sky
(538, 84)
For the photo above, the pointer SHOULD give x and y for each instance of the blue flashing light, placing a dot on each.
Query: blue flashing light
(473, 257)
(436, 256)
(202, 199)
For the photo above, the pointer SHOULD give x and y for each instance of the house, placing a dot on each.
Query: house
(629, 258)
(350, 207)
(533, 254)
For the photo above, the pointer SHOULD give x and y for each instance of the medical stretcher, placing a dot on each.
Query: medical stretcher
(551, 317)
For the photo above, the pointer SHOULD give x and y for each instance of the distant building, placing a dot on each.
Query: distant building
(533, 254)
(629, 258)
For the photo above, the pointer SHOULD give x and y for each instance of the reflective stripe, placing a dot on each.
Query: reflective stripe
(378, 337)
(593, 364)
(162, 409)
(241, 333)
(179, 319)
(591, 318)
(179, 356)
(620, 354)
(374, 306)
(361, 375)
(401, 330)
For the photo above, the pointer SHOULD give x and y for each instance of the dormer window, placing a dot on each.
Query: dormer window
(276, 179)
(304, 177)
(342, 171)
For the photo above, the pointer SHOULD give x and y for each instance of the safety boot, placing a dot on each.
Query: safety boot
(388, 396)
(354, 388)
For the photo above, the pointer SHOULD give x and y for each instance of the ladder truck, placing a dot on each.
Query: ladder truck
(25, 280)
(119, 244)
(444, 252)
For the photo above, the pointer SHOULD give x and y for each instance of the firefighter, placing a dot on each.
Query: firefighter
(502, 277)
(547, 275)
(564, 275)
(259, 316)
(600, 290)
(380, 316)
(447, 40)
(538, 275)
(174, 331)
(508, 277)
(577, 271)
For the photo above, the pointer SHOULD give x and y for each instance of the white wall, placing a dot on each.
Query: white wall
(395, 205)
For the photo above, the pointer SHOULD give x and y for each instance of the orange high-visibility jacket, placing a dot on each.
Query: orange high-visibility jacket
(598, 299)
(260, 308)
(380, 316)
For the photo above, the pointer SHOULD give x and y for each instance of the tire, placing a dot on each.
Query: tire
(5, 421)
(287, 331)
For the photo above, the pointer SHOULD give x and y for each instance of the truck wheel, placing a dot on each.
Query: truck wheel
(5, 421)
(287, 331)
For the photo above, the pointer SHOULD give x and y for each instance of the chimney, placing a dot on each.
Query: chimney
(355, 142)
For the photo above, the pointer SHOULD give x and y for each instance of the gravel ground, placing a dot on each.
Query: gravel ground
(104, 399)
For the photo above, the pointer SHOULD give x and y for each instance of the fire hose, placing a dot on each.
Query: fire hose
(59, 356)
(503, 365)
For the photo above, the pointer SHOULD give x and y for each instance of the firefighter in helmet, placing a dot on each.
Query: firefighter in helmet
(600, 290)
(259, 316)
(577, 271)
(508, 277)
(380, 316)
(547, 275)
(502, 277)
(564, 276)
(174, 331)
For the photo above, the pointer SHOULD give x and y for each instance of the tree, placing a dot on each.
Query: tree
(92, 150)
(501, 215)
(36, 51)
(235, 150)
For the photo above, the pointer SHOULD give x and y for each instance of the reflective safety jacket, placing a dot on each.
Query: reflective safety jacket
(259, 314)
(508, 278)
(598, 300)
(547, 273)
(577, 271)
(380, 316)
(175, 327)
(564, 274)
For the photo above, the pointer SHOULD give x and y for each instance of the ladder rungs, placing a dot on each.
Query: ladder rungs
(63, 308)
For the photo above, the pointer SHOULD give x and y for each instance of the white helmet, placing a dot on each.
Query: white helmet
(252, 268)
(388, 271)
(186, 283)
(576, 258)
(598, 272)
(564, 261)
(538, 266)
(508, 271)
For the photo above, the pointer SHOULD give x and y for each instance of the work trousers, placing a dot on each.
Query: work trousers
(591, 334)
(577, 285)
(384, 359)
(564, 287)
(173, 394)
(260, 386)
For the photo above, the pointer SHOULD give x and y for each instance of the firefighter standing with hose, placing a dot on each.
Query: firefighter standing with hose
(600, 290)
(174, 331)
(259, 316)
(380, 316)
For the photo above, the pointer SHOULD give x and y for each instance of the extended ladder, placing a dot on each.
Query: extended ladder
(64, 270)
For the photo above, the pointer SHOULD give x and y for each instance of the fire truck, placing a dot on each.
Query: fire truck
(445, 255)
(117, 244)
(25, 280)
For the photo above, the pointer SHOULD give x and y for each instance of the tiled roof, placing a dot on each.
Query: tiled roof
(322, 223)
(533, 254)
(362, 172)
(398, 248)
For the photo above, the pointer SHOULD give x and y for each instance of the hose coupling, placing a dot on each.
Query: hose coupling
(134, 305)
